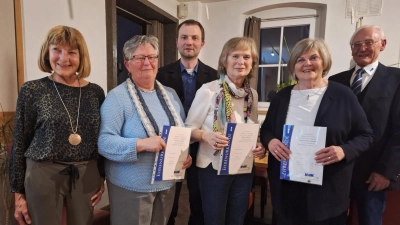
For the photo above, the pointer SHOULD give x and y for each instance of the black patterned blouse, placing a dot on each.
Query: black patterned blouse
(42, 126)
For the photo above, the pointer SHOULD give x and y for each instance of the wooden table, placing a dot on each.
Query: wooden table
(263, 163)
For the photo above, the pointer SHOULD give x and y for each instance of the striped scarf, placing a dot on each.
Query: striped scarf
(147, 119)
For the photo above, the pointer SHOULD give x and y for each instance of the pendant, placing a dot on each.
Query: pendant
(74, 139)
(308, 97)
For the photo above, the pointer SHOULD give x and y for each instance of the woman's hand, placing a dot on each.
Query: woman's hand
(329, 155)
(21, 213)
(97, 196)
(187, 163)
(151, 144)
(259, 151)
(278, 150)
(215, 139)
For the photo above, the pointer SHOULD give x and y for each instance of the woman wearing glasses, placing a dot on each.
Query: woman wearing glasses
(132, 115)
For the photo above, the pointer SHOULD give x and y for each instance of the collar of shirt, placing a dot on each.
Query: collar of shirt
(369, 69)
(367, 75)
(183, 69)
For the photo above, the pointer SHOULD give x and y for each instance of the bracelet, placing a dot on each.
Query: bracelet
(201, 135)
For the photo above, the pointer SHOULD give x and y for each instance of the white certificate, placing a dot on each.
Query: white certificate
(237, 157)
(168, 164)
(304, 142)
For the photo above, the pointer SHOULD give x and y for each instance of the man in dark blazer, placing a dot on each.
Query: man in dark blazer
(186, 76)
(378, 91)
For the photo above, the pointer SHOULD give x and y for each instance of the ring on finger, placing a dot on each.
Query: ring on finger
(216, 144)
(329, 158)
(276, 151)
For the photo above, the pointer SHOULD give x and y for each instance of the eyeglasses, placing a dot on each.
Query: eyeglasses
(142, 58)
(367, 43)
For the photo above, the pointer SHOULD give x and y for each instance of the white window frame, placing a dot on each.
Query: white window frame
(282, 24)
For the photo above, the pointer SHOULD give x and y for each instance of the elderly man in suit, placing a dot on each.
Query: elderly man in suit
(378, 90)
(186, 76)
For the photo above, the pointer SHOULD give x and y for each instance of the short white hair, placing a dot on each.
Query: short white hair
(135, 42)
(375, 27)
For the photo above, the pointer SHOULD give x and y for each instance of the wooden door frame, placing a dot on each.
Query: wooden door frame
(170, 51)
(19, 44)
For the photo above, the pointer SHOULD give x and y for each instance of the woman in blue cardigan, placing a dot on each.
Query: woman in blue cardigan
(131, 117)
(314, 101)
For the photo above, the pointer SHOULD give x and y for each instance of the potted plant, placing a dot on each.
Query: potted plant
(5, 146)
(285, 84)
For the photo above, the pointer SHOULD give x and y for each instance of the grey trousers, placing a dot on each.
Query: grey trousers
(46, 192)
(144, 208)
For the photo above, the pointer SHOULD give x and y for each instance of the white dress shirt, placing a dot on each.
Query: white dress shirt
(367, 75)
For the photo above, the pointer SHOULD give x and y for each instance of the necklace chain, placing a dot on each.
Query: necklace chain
(79, 106)
(314, 93)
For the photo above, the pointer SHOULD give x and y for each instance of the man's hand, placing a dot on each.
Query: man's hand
(377, 182)
(21, 213)
(187, 163)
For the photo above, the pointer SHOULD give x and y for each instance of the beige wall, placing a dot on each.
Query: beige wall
(169, 6)
(227, 20)
(8, 61)
(88, 16)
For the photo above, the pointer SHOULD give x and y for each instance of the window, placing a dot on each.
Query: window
(275, 46)
(276, 37)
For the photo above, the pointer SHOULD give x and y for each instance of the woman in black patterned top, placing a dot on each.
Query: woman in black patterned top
(54, 160)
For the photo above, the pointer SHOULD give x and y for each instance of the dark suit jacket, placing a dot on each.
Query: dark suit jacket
(381, 103)
(171, 76)
(347, 127)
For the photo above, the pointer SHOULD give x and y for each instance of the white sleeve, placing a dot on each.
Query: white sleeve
(201, 105)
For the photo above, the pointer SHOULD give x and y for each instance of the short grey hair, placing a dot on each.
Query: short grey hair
(306, 44)
(132, 44)
(375, 27)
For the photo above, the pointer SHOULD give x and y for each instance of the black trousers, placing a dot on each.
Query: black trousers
(196, 211)
(338, 220)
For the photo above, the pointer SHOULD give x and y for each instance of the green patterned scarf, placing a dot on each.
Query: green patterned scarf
(223, 111)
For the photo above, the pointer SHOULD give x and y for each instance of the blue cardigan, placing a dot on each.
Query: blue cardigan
(120, 128)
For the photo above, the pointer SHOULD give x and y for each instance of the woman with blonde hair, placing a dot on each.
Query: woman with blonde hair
(54, 160)
(228, 99)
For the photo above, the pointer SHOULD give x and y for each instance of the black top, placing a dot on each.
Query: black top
(171, 76)
(42, 126)
(347, 127)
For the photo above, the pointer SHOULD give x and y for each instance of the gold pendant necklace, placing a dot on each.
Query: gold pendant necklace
(74, 138)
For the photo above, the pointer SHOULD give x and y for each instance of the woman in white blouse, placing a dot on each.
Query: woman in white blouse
(228, 99)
